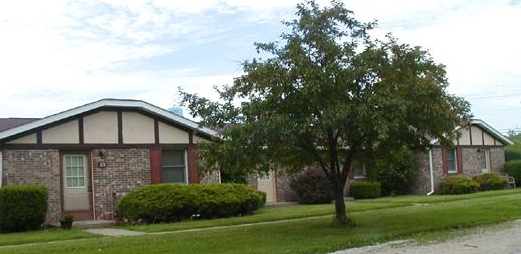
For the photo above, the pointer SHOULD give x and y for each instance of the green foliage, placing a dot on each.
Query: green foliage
(234, 177)
(513, 168)
(326, 94)
(457, 185)
(312, 187)
(171, 202)
(22, 207)
(513, 152)
(394, 170)
(365, 189)
(491, 181)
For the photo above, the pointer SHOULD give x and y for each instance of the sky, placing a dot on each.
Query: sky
(57, 54)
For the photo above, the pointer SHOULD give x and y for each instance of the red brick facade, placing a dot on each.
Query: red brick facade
(35, 167)
(125, 170)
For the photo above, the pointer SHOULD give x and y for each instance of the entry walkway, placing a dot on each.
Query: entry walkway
(113, 232)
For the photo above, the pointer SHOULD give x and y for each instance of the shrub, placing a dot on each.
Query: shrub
(22, 207)
(171, 202)
(365, 189)
(394, 170)
(312, 187)
(457, 185)
(513, 168)
(490, 181)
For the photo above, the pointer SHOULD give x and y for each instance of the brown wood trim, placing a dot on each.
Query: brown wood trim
(80, 129)
(482, 137)
(120, 127)
(474, 146)
(156, 130)
(191, 137)
(39, 137)
(470, 135)
(79, 147)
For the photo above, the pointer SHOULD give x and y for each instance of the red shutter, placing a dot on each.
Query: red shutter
(193, 173)
(445, 164)
(155, 165)
(351, 173)
(459, 158)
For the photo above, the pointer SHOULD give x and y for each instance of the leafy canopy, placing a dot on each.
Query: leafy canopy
(328, 93)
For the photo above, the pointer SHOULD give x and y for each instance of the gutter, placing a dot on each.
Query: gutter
(1, 171)
(431, 173)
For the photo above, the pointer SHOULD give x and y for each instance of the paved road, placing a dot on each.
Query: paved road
(487, 240)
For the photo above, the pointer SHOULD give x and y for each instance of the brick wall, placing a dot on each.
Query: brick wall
(470, 162)
(35, 167)
(125, 170)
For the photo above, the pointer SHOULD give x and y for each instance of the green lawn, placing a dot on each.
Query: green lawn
(47, 235)
(378, 221)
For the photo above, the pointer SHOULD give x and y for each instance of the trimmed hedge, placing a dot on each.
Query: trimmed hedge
(312, 187)
(513, 168)
(172, 202)
(490, 181)
(22, 207)
(457, 185)
(365, 189)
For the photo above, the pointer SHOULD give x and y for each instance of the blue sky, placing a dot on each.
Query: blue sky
(55, 55)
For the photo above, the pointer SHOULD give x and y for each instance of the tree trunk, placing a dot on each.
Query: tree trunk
(340, 207)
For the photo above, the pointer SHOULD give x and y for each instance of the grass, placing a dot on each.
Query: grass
(47, 235)
(378, 221)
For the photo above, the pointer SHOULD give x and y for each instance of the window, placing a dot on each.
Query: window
(359, 170)
(173, 166)
(75, 171)
(452, 161)
(483, 159)
(264, 176)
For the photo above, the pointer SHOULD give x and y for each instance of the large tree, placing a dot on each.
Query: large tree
(328, 94)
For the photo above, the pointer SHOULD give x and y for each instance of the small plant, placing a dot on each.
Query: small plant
(66, 220)
(513, 168)
(312, 187)
(490, 181)
(365, 189)
(457, 185)
(22, 207)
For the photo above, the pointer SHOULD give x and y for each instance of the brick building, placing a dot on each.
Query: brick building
(91, 155)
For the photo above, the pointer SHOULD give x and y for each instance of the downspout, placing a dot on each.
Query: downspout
(431, 173)
(1, 171)
(92, 185)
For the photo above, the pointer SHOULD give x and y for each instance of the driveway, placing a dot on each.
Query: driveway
(497, 239)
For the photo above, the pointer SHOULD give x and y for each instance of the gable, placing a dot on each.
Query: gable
(118, 122)
(480, 134)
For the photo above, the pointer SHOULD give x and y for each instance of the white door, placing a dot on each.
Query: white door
(266, 183)
(75, 182)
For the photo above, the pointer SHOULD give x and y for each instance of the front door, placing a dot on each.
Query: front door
(76, 196)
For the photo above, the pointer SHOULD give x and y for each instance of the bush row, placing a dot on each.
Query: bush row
(22, 207)
(171, 202)
(513, 168)
(312, 187)
(365, 189)
(463, 184)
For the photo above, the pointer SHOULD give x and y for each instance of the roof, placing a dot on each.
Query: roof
(117, 103)
(8, 123)
(487, 128)
(491, 131)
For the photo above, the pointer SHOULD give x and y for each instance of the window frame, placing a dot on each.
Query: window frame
(486, 153)
(452, 161)
(364, 170)
(173, 167)
(72, 171)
